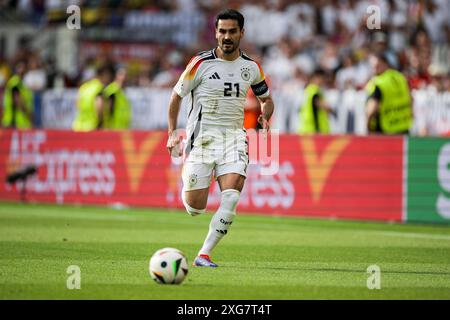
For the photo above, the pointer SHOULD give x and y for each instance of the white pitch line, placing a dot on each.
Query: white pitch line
(413, 235)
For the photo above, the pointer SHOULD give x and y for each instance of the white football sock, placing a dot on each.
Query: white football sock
(221, 221)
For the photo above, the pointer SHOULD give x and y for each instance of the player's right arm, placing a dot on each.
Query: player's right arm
(174, 109)
(188, 81)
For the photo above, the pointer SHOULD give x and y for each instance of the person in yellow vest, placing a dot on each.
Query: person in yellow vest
(18, 101)
(91, 102)
(389, 103)
(315, 109)
(117, 113)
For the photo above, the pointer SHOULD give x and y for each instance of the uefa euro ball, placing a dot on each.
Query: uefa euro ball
(168, 266)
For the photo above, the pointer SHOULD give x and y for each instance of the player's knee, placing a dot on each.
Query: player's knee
(190, 210)
(230, 199)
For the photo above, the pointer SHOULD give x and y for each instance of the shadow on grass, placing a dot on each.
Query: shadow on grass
(340, 270)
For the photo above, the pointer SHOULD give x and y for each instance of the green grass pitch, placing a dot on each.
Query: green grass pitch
(261, 258)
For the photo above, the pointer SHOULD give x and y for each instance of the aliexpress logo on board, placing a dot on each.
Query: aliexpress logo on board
(137, 157)
(318, 167)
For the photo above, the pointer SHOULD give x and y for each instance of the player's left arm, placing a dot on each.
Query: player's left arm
(262, 92)
(267, 108)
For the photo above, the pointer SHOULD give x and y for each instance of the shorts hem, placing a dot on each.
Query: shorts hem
(185, 188)
(230, 171)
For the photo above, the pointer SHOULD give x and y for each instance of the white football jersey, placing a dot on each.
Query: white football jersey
(217, 91)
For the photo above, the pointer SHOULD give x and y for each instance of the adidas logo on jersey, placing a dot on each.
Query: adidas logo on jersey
(214, 76)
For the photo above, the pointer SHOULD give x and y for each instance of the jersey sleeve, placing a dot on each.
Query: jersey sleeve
(376, 94)
(259, 85)
(190, 78)
(373, 91)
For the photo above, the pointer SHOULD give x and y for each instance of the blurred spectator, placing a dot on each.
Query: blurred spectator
(349, 14)
(279, 63)
(51, 72)
(418, 59)
(274, 18)
(435, 17)
(36, 79)
(18, 101)
(315, 109)
(328, 58)
(301, 23)
(362, 67)
(389, 103)
(380, 46)
(346, 77)
(397, 24)
(439, 78)
(88, 69)
(90, 103)
(328, 16)
(298, 37)
(144, 78)
(308, 34)
(117, 111)
(169, 71)
(4, 70)
(4, 76)
(304, 62)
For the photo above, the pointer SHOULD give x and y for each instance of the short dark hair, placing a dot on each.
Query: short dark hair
(319, 72)
(106, 68)
(382, 56)
(231, 14)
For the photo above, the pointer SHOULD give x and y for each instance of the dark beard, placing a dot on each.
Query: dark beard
(228, 51)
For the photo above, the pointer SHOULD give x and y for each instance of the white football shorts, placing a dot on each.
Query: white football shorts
(215, 152)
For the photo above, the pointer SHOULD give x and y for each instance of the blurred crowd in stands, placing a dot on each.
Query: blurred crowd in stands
(289, 38)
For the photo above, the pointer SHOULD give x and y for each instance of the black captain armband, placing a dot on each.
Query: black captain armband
(260, 88)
